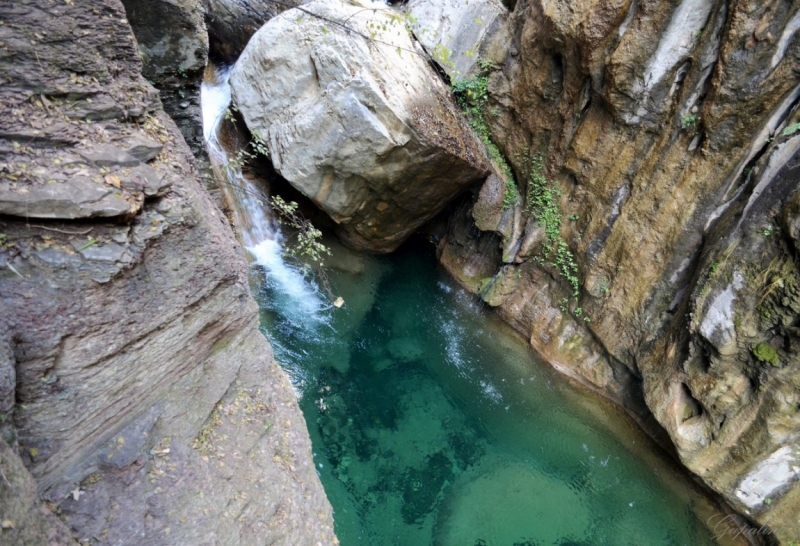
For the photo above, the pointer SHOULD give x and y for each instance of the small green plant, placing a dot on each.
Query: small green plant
(485, 65)
(542, 205)
(258, 145)
(308, 245)
(791, 129)
(765, 353)
(688, 121)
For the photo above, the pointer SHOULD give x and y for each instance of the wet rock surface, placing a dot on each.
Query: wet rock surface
(356, 119)
(134, 383)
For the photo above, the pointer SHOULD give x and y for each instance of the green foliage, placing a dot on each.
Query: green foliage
(472, 96)
(791, 129)
(443, 55)
(308, 245)
(542, 205)
(258, 146)
(766, 354)
(485, 65)
(688, 121)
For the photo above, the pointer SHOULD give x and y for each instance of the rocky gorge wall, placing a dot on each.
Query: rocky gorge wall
(667, 134)
(138, 400)
(660, 138)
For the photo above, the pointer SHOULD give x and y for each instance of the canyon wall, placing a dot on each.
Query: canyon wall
(662, 140)
(135, 386)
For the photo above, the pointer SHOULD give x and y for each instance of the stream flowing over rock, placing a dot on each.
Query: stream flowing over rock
(135, 385)
(356, 119)
(667, 132)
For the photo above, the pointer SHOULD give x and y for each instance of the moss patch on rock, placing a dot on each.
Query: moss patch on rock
(766, 353)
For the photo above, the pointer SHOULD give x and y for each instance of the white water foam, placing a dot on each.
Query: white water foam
(251, 212)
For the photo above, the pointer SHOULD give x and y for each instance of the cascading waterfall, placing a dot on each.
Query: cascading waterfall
(248, 202)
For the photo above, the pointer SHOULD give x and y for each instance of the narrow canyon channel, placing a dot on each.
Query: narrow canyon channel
(431, 421)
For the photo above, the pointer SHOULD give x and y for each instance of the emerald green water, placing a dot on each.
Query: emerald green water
(434, 424)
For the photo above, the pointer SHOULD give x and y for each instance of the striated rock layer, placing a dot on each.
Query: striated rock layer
(134, 383)
(356, 119)
(670, 130)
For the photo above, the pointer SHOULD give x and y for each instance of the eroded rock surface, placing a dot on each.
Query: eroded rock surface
(364, 127)
(134, 382)
(668, 129)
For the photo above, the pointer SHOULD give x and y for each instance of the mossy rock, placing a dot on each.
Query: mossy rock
(765, 353)
(483, 284)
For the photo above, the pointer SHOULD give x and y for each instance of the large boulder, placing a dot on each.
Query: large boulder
(356, 119)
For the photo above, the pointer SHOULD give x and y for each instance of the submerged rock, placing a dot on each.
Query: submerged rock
(356, 119)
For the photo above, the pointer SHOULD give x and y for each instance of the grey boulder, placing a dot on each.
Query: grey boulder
(356, 119)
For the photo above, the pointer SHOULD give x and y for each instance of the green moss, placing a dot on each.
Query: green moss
(472, 96)
(767, 354)
(483, 284)
(542, 204)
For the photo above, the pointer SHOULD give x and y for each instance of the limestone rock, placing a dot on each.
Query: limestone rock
(107, 155)
(365, 129)
(142, 148)
(491, 214)
(460, 34)
(173, 46)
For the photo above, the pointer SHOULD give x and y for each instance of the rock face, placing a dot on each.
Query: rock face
(134, 383)
(231, 23)
(26, 521)
(364, 127)
(669, 130)
(173, 44)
